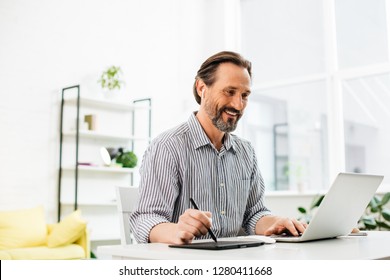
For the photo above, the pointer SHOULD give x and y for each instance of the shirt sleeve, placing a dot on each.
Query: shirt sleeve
(255, 208)
(158, 191)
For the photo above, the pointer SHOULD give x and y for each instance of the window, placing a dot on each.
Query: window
(321, 90)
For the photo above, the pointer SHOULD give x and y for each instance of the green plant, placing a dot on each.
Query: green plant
(376, 216)
(308, 214)
(127, 159)
(110, 78)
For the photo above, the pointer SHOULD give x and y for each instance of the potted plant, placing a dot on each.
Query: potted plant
(375, 217)
(126, 158)
(110, 79)
(307, 214)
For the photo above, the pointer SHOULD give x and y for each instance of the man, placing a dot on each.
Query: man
(202, 160)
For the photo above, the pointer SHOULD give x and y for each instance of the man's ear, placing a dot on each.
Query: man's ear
(200, 88)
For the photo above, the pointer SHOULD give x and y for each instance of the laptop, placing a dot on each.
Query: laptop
(220, 245)
(340, 209)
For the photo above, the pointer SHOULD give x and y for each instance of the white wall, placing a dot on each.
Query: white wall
(283, 204)
(50, 44)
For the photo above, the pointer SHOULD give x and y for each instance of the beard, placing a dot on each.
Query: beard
(231, 123)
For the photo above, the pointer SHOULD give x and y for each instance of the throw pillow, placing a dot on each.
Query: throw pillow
(67, 230)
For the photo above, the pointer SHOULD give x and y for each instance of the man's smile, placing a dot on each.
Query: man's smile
(231, 113)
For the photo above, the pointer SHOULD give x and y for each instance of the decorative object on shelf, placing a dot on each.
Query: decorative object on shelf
(110, 78)
(86, 164)
(126, 158)
(108, 154)
(112, 152)
(105, 156)
(91, 121)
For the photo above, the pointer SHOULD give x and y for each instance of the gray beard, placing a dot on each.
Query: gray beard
(217, 120)
(229, 126)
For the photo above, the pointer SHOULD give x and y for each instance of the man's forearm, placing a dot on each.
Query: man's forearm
(264, 223)
(163, 233)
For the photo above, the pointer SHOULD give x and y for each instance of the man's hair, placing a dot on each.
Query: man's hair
(207, 70)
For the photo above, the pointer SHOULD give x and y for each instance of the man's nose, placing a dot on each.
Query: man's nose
(237, 102)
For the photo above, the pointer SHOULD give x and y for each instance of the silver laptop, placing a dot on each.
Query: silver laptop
(340, 209)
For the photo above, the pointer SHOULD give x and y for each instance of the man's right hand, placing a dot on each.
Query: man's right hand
(192, 223)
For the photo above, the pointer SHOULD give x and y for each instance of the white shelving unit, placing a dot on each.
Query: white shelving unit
(101, 169)
(103, 136)
(84, 182)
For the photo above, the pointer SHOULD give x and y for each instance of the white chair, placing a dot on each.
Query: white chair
(127, 198)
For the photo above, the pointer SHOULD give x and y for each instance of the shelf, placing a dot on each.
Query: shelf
(123, 170)
(105, 104)
(104, 136)
(90, 203)
(95, 194)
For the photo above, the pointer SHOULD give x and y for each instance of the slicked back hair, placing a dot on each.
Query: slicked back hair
(207, 70)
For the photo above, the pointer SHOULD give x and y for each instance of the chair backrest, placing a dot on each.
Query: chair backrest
(127, 198)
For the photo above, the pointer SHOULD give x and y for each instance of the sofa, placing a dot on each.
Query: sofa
(24, 235)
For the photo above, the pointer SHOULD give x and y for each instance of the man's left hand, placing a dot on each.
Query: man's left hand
(269, 225)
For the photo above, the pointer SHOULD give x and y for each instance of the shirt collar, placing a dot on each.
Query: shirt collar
(199, 137)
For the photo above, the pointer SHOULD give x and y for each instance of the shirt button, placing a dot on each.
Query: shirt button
(222, 212)
(221, 185)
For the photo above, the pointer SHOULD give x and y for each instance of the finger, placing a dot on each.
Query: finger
(198, 227)
(291, 227)
(185, 237)
(199, 220)
(269, 231)
(190, 225)
(355, 230)
(195, 231)
(298, 225)
(276, 228)
(208, 214)
(194, 221)
(202, 217)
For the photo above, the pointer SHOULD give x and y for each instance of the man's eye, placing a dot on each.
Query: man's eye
(231, 92)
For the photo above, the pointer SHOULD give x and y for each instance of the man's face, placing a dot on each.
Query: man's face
(227, 98)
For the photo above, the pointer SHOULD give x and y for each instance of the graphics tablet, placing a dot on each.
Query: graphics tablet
(220, 245)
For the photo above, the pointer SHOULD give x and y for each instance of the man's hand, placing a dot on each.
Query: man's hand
(193, 223)
(269, 225)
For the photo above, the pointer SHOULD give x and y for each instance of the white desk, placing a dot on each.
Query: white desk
(374, 246)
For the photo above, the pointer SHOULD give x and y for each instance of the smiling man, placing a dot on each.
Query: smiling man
(201, 159)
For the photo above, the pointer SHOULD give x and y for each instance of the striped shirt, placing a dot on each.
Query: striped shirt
(181, 164)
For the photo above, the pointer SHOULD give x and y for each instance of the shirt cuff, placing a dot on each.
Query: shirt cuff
(145, 225)
(250, 227)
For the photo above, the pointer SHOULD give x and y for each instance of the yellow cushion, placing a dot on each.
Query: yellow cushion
(67, 231)
(22, 228)
(68, 252)
(4, 255)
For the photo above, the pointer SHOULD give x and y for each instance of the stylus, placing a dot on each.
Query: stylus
(210, 231)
